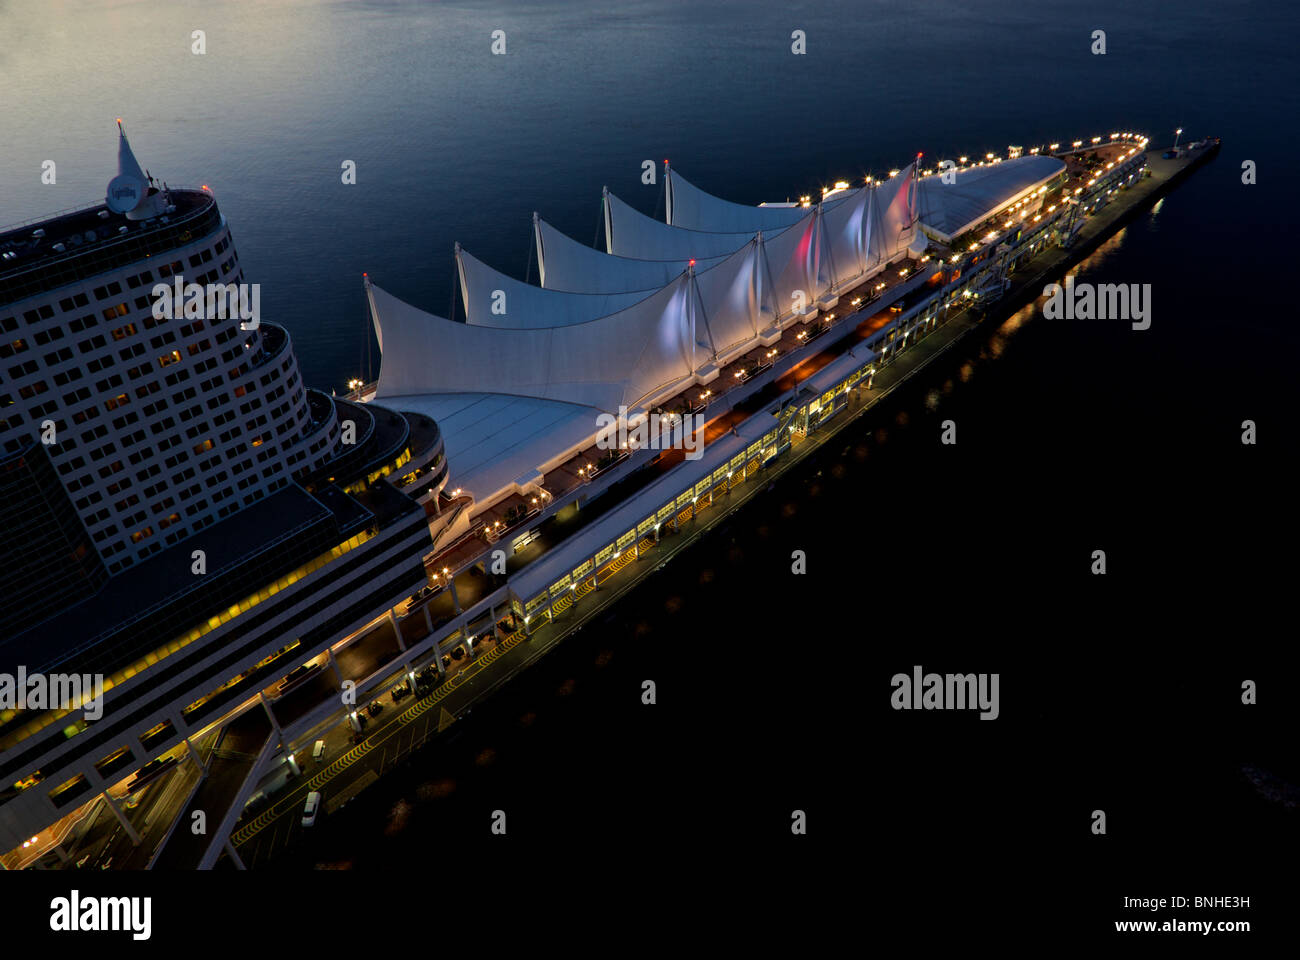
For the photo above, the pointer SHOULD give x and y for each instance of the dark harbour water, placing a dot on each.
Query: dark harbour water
(1118, 693)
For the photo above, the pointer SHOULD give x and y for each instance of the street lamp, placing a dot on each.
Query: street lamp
(1177, 133)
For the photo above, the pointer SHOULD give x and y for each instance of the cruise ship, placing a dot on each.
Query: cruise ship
(377, 559)
(184, 519)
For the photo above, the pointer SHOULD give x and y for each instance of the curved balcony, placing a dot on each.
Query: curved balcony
(273, 340)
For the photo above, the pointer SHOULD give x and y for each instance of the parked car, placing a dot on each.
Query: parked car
(375, 708)
(149, 771)
(318, 751)
(399, 691)
(313, 807)
(296, 676)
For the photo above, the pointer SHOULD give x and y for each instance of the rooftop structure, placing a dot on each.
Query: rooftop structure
(948, 210)
(522, 385)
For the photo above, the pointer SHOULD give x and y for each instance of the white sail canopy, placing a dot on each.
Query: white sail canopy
(630, 233)
(606, 350)
(734, 300)
(730, 301)
(620, 360)
(894, 215)
(848, 231)
(493, 299)
(691, 208)
(567, 264)
(794, 261)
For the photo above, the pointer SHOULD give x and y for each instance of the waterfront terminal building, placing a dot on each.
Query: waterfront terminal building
(476, 491)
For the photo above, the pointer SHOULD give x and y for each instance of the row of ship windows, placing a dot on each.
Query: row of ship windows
(65, 376)
(43, 337)
(192, 510)
(168, 502)
(165, 504)
(146, 532)
(163, 445)
(28, 391)
(203, 446)
(99, 341)
(66, 445)
(36, 413)
(114, 289)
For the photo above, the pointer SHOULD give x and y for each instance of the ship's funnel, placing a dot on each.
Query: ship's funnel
(126, 162)
(129, 192)
(128, 189)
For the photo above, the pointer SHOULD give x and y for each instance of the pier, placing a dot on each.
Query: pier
(860, 367)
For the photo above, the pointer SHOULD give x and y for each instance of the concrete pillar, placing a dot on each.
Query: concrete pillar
(428, 619)
(496, 630)
(455, 599)
(334, 665)
(595, 574)
(234, 857)
(121, 818)
(194, 755)
(178, 721)
(397, 629)
(275, 724)
(638, 546)
(437, 658)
